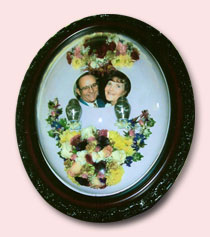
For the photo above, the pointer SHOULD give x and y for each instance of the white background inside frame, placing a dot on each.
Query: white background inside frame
(148, 91)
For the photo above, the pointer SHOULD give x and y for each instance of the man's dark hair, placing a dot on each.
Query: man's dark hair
(77, 82)
(85, 74)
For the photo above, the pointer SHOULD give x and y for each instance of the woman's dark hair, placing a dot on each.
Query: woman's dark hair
(122, 78)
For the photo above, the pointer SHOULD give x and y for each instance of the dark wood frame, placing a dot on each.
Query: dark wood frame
(145, 193)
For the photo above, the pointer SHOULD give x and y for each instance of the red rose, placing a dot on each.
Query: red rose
(135, 54)
(103, 132)
(88, 158)
(112, 46)
(101, 52)
(68, 57)
(75, 140)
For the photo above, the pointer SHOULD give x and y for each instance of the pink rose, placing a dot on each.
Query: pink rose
(97, 149)
(131, 133)
(73, 157)
(141, 122)
(121, 48)
(77, 53)
(91, 139)
(53, 113)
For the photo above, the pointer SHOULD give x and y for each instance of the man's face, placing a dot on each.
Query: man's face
(88, 88)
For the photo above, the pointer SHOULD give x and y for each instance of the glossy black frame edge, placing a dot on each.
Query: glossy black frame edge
(172, 165)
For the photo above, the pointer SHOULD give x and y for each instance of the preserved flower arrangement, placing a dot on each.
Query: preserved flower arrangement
(103, 52)
(94, 157)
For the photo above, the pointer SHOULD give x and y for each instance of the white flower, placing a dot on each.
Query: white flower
(95, 156)
(93, 64)
(66, 150)
(100, 60)
(101, 155)
(81, 157)
(118, 156)
(98, 156)
(88, 132)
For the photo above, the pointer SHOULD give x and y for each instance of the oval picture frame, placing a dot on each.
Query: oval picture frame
(102, 206)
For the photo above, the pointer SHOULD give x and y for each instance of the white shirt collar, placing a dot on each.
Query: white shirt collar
(92, 104)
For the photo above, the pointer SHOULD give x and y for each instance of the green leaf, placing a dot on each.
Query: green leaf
(58, 144)
(49, 120)
(51, 133)
(126, 134)
(63, 122)
(51, 104)
(142, 145)
(147, 132)
(59, 153)
(151, 122)
(59, 111)
(74, 151)
(137, 156)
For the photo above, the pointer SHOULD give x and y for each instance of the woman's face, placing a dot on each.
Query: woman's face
(114, 89)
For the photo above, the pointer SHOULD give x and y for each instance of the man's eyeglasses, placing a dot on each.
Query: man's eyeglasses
(85, 88)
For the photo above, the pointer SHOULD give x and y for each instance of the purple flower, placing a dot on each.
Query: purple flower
(55, 125)
(129, 160)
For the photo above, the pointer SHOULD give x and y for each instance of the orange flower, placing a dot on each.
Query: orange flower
(107, 151)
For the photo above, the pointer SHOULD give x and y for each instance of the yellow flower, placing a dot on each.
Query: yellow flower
(114, 176)
(67, 135)
(121, 143)
(122, 61)
(77, 63)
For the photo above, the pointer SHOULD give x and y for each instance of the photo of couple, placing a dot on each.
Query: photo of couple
(101, 92)
(100, 99)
